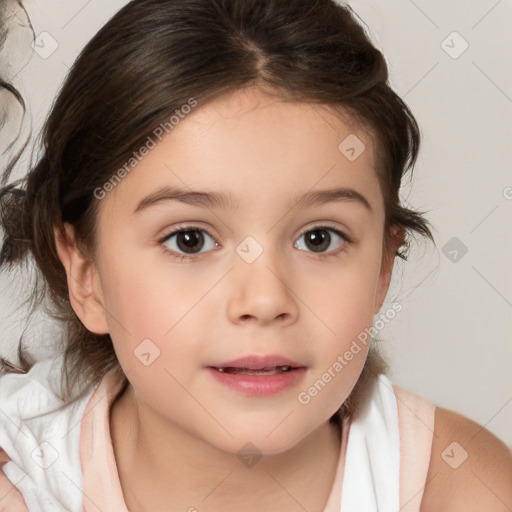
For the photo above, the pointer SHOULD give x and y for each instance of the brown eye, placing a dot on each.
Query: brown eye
(319, 239)
(188, 241)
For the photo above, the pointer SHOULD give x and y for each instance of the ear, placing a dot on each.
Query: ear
(388, 259)
(84, 285)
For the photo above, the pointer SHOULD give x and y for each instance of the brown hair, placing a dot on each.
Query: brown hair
(148, 61)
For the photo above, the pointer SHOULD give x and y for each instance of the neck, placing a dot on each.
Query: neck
(163, 467)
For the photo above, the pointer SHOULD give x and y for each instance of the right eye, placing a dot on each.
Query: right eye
(186, 242)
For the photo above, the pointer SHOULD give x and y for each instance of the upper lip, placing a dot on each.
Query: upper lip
(257, 362)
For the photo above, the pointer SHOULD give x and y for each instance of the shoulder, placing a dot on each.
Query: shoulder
(470, 468)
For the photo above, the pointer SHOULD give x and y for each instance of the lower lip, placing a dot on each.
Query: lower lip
(259, 385)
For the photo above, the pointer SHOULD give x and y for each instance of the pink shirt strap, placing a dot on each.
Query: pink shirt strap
(101, 484)
(416, 425)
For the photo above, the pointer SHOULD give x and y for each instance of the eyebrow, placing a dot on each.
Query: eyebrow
(211, 199)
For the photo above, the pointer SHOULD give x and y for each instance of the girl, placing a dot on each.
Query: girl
(215, 218)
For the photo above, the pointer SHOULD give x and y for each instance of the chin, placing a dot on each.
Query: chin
(265, 438)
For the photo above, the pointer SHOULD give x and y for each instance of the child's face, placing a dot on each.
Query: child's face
(302, 298)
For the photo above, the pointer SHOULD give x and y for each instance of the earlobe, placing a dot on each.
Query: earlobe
(387, 268)
(84, 286)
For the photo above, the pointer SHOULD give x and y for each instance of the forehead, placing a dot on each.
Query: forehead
(255, 147)
(258, 118)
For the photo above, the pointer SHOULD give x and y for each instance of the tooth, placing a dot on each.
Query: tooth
(256, 371)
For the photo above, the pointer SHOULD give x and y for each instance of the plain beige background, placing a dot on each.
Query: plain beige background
(450, 61)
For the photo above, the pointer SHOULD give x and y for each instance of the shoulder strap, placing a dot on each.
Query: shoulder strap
(416, 425)
(101, 484)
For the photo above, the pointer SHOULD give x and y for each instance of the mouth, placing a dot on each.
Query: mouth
(258, 375)
(255, 371)
(254, 364)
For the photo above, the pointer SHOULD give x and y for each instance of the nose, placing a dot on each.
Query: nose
(261, 293)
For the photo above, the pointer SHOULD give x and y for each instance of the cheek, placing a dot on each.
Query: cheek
(344, 297)
(152, 309)
(345, 306)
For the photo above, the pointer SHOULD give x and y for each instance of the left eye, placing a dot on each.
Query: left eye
(318, 239)
(188, 241)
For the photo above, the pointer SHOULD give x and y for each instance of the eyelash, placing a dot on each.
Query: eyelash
(184, 229)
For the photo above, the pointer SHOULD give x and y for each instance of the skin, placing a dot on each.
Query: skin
(176, 431)
(483, 481)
